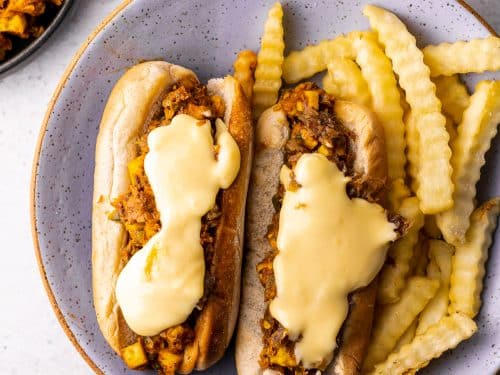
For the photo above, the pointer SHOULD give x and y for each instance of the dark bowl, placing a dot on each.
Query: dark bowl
(24, 49)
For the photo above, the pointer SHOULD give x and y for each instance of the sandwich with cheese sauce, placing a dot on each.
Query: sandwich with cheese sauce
(172, 168)
(317, 234)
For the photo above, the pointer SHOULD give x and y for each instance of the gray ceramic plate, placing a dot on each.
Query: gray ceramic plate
(204, 36)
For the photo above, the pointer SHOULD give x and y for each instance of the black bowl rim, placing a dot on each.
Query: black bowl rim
(35, 44)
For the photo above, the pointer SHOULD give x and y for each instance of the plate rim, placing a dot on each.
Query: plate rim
(36, 159)
(33, 183)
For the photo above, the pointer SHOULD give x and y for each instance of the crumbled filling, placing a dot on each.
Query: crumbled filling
(136, 210)
(314, 128)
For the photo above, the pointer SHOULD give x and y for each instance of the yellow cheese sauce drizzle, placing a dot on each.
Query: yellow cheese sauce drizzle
(162, 283)
(329, 245)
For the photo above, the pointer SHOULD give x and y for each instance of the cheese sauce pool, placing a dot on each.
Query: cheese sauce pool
(329, 245)
(162, 283)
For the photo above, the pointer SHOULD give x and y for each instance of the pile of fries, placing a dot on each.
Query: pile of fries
(437, 135)
(18, 19)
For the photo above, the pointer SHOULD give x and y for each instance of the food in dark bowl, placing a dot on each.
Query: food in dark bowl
(22, 21)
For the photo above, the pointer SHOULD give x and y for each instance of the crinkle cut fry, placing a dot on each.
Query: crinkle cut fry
(269, 62)
(475, 56)
(393, 275)
(442, 336)
(345, 82)
(377, 70)
(453, 95)
(313, 59)
(475, 133)
(393, 320)
(435, 187)
(468, 262)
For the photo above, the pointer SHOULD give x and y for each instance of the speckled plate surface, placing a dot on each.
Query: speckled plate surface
(204, 36)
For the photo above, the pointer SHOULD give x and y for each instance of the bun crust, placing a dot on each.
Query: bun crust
(215, 325)
(271, 134)
(370, 160)
(132, 103)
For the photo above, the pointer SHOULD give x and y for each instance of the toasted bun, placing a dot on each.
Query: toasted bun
(132, 103)
(370, 161)
(216, 323)
(271, 135)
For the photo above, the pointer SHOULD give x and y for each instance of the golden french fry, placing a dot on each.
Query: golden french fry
(453, 95)
(345, 81)
(393, 320)
(441, 252)
(269, 62)
(435, 187)
(442, 336)
(398, 192)
(430, 227)
(394, 272)
(412, 141)
(377, 70)
(407, 337)
(484, 100)
(439, 268)
(412, 149)
(475, 132)
(313, 59)
(477, 55)
(468, 262)
(244, 69)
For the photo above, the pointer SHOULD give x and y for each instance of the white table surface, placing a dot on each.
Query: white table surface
(31, 340)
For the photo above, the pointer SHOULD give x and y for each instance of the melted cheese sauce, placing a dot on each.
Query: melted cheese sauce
(161, 284)
(329, 245)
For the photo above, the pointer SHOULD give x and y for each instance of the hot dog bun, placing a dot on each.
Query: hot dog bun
(132, 103)
(272, 132)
